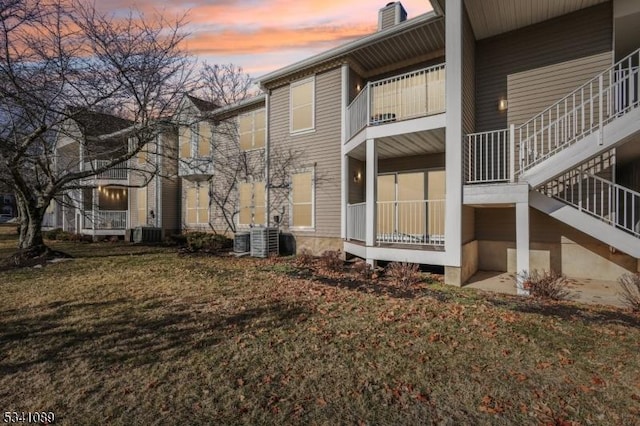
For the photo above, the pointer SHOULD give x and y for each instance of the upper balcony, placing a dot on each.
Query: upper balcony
(195, 168)
(403, 97)
(117, 173)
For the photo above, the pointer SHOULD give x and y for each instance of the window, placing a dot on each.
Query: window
(251, 128)
(142, 206)
(252, 203)
(302, 105)
(185, 141)
(302, 200)
(198, 205)
(204, 139)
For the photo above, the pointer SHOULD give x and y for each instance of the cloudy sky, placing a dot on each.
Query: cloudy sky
(264, 35)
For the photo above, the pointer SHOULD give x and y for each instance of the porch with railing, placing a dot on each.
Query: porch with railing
(415, 222)
(403, 97)
(497, 156)
(119, 172)
(105, 220)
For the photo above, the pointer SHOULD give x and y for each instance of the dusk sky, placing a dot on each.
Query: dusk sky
(264, 35)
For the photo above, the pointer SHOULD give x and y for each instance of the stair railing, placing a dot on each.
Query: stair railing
(611, 94)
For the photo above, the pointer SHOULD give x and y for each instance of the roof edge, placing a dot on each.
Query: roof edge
(346, 48)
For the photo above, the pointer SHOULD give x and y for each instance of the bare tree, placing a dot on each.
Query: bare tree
(60, 60)
(224, 84)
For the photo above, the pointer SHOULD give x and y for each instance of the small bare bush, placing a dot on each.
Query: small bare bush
(305, 258)
(630, 294)
(545, 285)
(331, 260)
(404, 273)
(362, 269)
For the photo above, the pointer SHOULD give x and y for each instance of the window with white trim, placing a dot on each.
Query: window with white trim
(252, 203)
(198, 205)
(302, 198)
(251, 128)
(142, 205)
(302, 105)
(184, 137)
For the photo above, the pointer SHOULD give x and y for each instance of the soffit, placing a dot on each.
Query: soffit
(407, 145)
(492, 17)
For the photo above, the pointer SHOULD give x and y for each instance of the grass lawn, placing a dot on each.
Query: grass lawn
(138, 335)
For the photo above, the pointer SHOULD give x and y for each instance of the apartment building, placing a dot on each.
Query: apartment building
(222, 165)
(141, 192)
(513, 146)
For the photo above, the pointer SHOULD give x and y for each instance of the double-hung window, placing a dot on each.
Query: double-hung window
(198, 205)
(252, 203)
(302, 197)
(302, 102)
(251, 128)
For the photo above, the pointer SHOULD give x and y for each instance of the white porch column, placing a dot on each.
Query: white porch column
(344, 199)
(372, 182)
(454, 135)
(522, 244)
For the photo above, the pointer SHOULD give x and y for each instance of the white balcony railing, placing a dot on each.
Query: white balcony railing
(356, 221)
(411, 95)
(411, 222)
(490, 157)
(105, 220)
(119, 172)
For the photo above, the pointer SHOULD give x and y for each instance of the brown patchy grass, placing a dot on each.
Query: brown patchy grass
(138, 335)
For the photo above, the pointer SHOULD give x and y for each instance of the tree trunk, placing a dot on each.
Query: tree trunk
(31, 240)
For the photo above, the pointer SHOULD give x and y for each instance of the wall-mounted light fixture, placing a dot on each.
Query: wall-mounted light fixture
(503, 104)
(357, 176)
(358, 87)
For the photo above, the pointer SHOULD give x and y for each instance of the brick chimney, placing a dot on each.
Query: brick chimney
(392, 14)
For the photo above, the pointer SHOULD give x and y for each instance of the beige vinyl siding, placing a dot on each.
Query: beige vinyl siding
(388, 17)
(320, 147)
(577, 35)
(468, 77)
(170, 183)
(356, 189)
(531, 92)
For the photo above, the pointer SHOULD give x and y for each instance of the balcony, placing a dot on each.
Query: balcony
(118, 173)
(412, 95)
(411, 223)
(195, 168)
(103, 220)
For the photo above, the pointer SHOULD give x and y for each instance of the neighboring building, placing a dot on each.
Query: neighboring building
(8, 205)
(195, 163)
(141, 192)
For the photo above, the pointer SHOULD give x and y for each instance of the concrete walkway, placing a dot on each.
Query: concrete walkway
(596, 292)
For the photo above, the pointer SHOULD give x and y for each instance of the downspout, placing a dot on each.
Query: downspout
(267, 138)
(160, 141)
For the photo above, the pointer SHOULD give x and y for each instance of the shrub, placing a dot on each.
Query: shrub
(305, 258)
(545, 285)
(630, 294)
(179, 240)
(362, 269)
(404, 273)
(52, 234)
(331, 260)
(208, 243)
